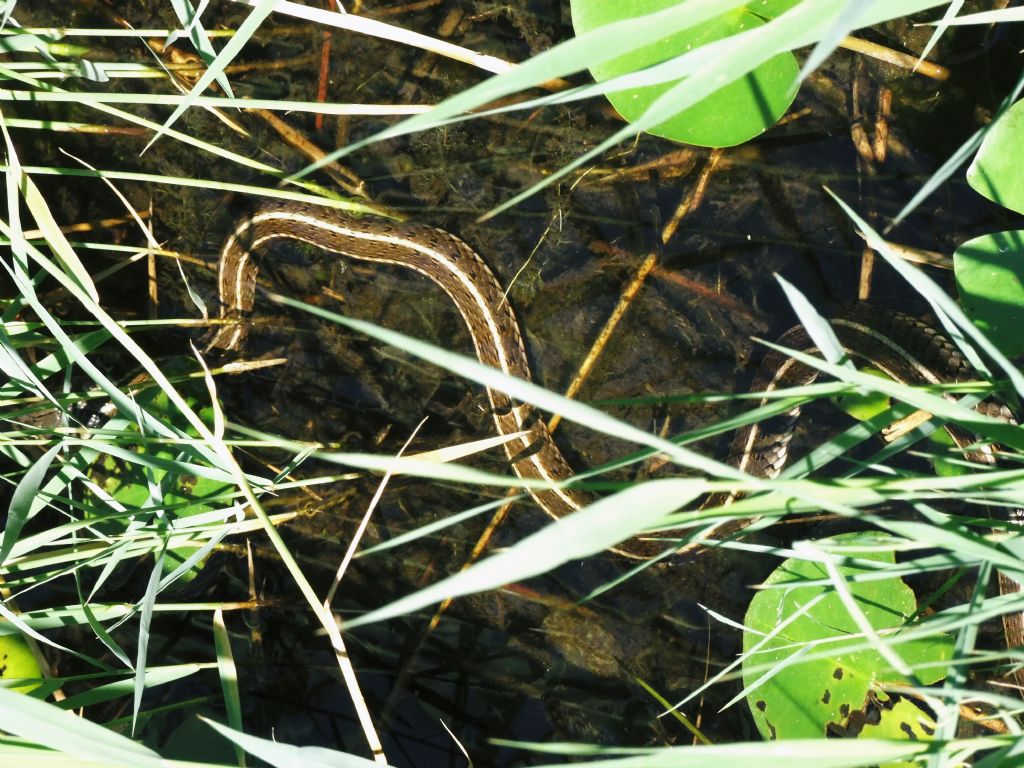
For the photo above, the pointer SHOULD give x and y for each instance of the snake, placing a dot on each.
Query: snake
(902, 346)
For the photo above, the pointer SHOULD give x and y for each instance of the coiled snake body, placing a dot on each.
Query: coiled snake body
(903, 347)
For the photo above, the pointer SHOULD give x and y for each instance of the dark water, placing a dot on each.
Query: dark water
(525, 663)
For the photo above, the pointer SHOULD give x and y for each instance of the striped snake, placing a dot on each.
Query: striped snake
(903, 347)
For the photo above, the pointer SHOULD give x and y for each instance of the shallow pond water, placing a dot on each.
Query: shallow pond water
(527, 662)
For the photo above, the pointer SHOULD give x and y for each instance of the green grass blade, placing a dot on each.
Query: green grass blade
(65, 732)
(101, 633)
(944, 306)
(252, 22)
(986, 426)
(430, 529)
(846, 21)
(282, 755)
(170, 99)
(228, 674)
(819, 753)
(246, 189)
(817, 327)
(26, 496)
(145, 621)
(203, 146)
(955, 161)
(155, 677)
(194, 559)
(22, 377)
(952, 10)
(55, 239)
(13, 623)
(587, 532)
(482, 374)
(196, 33)
(1001, 16)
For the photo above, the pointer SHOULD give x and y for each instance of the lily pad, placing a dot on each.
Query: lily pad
(864, 405)
(160, 494)
(990, 280)
(769, 9)
(886, 716)
(900, 718)
(736, 113)
(17, 663)
(807, 699)
(995, 172)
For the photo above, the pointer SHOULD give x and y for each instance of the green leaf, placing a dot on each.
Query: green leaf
(740, 111)
(995, 172)
(801, 699)
(17, 662)
(989, 274)
(899, 718)
(147, 477)
(943, 466)
(864, 405)
(769, 9)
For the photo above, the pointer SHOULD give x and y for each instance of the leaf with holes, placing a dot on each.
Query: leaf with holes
(17, 663)
(794, 698)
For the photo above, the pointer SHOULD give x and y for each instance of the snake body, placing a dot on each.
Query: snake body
(905, 348)
(455, 268)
